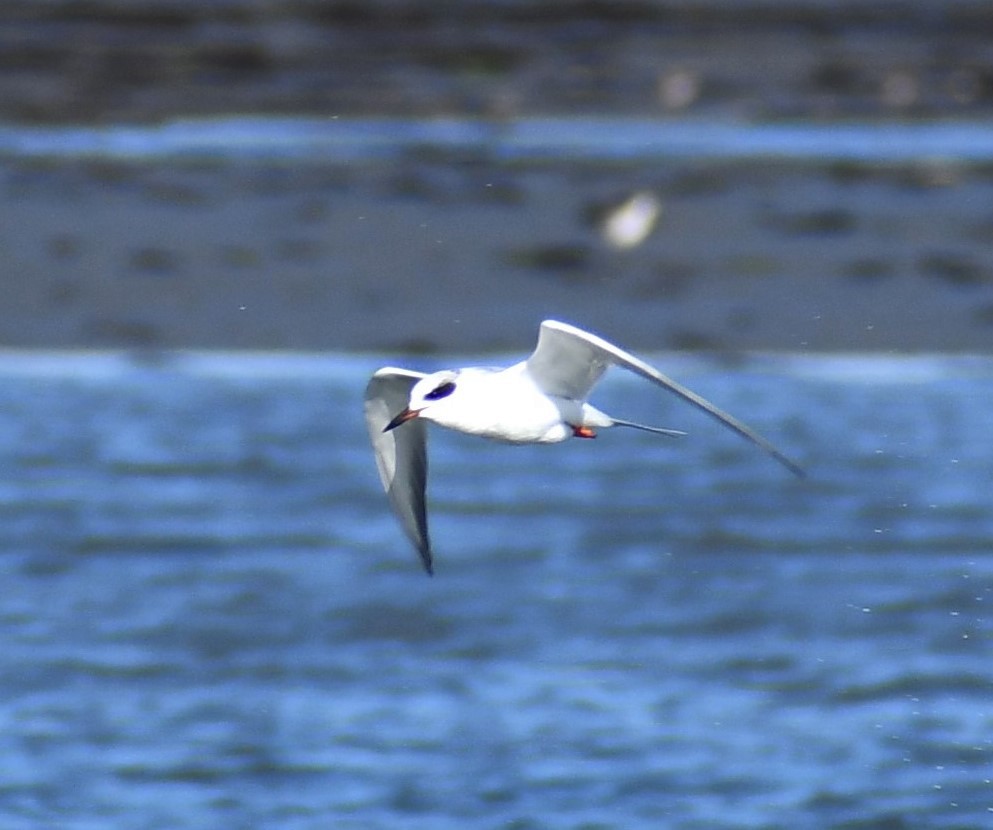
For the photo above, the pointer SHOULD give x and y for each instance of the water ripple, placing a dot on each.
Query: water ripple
(210, 618)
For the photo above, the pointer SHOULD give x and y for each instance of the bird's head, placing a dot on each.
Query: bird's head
(426, 394)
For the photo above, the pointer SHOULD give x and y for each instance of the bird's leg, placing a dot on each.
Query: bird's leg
(582, 432)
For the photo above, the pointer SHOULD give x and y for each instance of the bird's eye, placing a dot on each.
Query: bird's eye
(442, 391)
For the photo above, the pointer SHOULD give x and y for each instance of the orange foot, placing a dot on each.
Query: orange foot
(583, 432)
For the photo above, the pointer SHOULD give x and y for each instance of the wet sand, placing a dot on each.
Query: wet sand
(440, 255)
(445, 253)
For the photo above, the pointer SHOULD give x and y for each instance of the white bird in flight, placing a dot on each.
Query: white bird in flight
(540, 400)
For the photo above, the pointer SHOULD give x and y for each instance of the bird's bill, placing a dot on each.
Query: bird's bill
(401, 418)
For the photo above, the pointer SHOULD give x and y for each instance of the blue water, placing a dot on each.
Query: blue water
(577, 138)
(209, 618)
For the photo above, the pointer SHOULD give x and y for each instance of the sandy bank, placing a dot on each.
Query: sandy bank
(446, 254)
(433, 251)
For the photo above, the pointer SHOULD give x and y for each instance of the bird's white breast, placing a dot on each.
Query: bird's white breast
(503, 405)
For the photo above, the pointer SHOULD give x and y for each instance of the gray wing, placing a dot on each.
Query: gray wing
(569, 361)
(401, 453)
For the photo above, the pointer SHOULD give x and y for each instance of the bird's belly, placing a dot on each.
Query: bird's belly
(542, 424)
(551, 435)
(524, 432)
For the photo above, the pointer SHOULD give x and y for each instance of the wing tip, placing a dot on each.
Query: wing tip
(783, 459)
(794, 468)
(428, 561)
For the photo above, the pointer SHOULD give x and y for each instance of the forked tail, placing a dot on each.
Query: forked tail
(672, 433)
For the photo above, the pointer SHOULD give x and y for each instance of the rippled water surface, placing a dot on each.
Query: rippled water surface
(209, 618)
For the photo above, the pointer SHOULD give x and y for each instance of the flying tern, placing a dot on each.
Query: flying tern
(540, 400)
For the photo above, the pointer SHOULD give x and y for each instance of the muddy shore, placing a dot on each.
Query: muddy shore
(138, 61)
(435, 253)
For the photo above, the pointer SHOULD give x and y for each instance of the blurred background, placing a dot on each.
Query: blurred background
(219, 217)
(433, 175)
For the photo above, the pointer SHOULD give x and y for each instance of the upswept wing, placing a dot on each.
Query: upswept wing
(401, 454)
(569, 361)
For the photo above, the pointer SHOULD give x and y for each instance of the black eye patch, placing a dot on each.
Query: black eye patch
(442, 391)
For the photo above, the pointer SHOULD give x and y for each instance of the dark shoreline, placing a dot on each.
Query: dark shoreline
(433, 251)
(66, 61)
